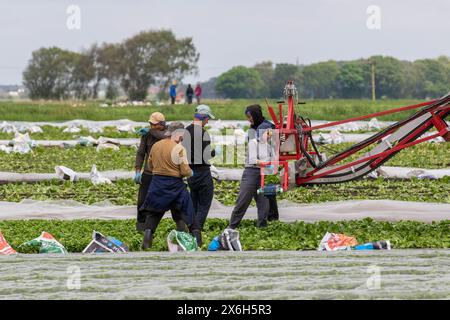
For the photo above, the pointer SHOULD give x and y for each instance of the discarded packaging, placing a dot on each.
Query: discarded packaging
(374, 124)
(336, 241)
(7, 127)
(5, 248)
(377, 245)
(47, 243)
(65, 173)
(72, 129)
(101, 244)
(95, 129)
(22, 143)
(421, 174)
(96, 177)
(228, 240)
(181, 241)
(126, 128)
(107, 146)
(87, 141)
(103, 140)
(336, 137)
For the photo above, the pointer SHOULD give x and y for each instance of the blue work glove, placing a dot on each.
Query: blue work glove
(143, 131)
(137, 177)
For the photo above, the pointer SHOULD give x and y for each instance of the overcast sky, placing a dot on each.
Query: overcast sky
(231, 32)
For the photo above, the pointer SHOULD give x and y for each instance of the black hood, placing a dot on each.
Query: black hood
(256, 113)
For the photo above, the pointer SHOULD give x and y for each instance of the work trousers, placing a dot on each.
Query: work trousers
(251, 181)
(142, 214)
(201, 186)
(153, 218)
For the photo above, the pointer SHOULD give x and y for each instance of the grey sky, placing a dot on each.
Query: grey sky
(231, 32)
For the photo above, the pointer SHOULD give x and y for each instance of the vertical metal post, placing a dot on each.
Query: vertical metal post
(373, 80)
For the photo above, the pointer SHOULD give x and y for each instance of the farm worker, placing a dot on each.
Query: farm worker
(251, 178)
(173, 92)
(149, 137)
(168, 163)
(198, 146)
(198, 93)
(189, 94)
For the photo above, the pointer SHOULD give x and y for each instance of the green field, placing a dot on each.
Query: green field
(55, 133)
(75, 235)
(124, 192)
(223, 109)
(44, 159)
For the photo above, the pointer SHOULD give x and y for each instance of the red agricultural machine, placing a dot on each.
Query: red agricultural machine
(298, 154)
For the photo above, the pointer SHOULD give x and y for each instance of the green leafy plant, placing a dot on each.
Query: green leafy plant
(76, 234)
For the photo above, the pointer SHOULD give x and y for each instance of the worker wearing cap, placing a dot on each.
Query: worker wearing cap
(143, 177)
(198, 146)
(169, 165)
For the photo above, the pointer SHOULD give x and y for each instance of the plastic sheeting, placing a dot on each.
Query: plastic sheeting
(12, 177)
(213, 124)
(222, 174)
(382, 210)
(229, 140)
(386, 172)
(89, 141)
(408, 173)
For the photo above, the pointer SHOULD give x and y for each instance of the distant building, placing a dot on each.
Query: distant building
(12, 92)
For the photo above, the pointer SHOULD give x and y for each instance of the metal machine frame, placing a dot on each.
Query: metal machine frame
(311, 168)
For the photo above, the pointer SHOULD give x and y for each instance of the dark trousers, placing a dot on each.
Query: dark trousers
(172, 100)
(250, 183)
(143, 189)
(153, 218)
(189, 99)
(273, 209)
(143, 214)
(202, 191)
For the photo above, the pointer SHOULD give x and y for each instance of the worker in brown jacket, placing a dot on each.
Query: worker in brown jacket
(169, 165)
(143, 177)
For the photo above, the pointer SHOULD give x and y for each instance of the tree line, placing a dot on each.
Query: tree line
(148, 58)
(394, 79)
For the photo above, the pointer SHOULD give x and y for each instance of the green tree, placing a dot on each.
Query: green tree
(433, 76)
(49, 73)
(266, 72)
(389, 77)
(105, 63)
(240, 82)
(351, 81)
(154, 56)
(320, 79)
(282, 73)
(83, 75)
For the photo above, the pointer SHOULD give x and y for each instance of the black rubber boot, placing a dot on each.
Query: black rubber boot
(198, 236)
(140, 226)
(148, 239)
(262, 224)
(181, 226)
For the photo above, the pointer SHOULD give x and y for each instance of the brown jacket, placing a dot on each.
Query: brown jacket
(147, 142)
(168, 158)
